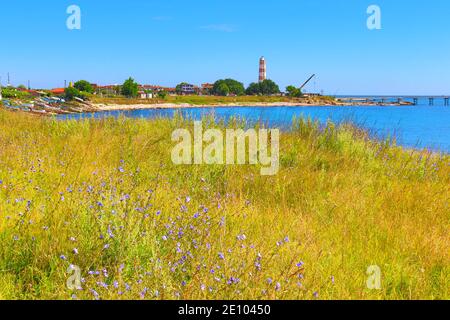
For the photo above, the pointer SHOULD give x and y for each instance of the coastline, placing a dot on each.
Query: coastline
(126, 107)
(113, 107)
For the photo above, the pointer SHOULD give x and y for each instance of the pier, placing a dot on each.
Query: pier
(396, 100)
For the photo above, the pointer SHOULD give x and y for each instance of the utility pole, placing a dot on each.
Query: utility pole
(65, 84)
(9, 82)
(1, 89)
(29, 88)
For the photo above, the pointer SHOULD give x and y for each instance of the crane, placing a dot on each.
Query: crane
(307, 81)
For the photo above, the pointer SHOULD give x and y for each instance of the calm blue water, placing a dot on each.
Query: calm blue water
(420, 126)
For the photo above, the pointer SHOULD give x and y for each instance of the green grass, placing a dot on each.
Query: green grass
(108, 188)
(212, 100)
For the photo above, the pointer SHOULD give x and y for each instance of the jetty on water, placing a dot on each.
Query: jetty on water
(397, 100)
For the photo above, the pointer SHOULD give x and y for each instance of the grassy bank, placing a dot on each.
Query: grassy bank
(213, 100)
(105, 196)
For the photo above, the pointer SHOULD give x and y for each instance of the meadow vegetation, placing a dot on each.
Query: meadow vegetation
(212, 100)
(104, 195)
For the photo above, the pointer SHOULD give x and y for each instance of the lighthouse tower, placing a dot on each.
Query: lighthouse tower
(262, 69)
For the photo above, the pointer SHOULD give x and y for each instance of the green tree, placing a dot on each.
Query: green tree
(222, 89)
(233, 87)
(293, 91)
(162, 95)
(71, 92)
(84, 86)
(130, 88)
(268, 87)
(253, 89)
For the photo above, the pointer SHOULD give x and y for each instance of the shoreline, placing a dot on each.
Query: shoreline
(99, 107)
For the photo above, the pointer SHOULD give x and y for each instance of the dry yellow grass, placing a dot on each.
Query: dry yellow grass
(104, 195)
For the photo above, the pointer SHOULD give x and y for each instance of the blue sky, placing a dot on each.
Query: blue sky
(168, 41)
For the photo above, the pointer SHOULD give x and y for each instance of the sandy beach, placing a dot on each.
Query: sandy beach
(111, 107)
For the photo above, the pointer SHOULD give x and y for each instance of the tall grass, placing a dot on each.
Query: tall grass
(104, 195)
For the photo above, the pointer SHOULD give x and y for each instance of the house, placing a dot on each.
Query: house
(206, 88)
(187, 89)
(58, 91)
(145, 95)
(108, 90)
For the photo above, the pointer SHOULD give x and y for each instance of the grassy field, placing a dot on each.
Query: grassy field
(104, 196)
(212, 100)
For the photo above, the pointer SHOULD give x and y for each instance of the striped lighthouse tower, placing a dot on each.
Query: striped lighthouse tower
(262, 69)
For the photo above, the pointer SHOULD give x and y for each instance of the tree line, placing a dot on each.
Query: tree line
(222, 87)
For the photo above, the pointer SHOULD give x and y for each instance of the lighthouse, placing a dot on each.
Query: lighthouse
(262, 69)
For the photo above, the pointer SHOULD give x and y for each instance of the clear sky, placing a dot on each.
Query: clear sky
(169, 41)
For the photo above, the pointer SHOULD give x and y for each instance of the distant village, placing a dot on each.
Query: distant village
(82, 95)
(146, 91)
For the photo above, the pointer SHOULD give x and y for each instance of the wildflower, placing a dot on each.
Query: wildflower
(203, 287)
(62, 257)
(300, 264)
(95, 293)
(196, 215)
(121, 169)
(278, 286)
(269, 281)
(233, 280)
(221, 256)
(286, 239)
(142, 294)
(75, 251)
(241, 237)
(116, 284)
(332, 279)
(188, 199)
(158, 212)
(16, 238)
(164, 238)
(183, 283)
(316, 294)
(73, 239)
